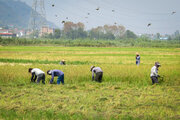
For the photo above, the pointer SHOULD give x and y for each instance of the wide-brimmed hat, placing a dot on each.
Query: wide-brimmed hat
(137, 53)
(49, 72)
(157, 64)
(92, 67)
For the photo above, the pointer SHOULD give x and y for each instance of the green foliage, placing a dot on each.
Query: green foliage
(44, 61)
(130, 34)
(177, 37)
(75, 34)
(101, 35)
(158, 35)
(140, 42)
(57, 33)
(28, 61)
(38, 115)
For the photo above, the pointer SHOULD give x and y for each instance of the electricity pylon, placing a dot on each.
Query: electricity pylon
(38, 16)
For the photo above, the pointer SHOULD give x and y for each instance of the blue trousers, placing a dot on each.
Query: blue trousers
(137, 62)
(60, 79)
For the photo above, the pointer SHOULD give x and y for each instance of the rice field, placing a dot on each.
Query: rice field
(125, 93)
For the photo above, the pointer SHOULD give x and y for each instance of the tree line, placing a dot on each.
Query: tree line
(77, 31)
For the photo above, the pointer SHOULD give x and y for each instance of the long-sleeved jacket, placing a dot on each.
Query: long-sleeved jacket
(96, 70)
(35, 72)
(138, 58)
(56, 73)
(154, 71)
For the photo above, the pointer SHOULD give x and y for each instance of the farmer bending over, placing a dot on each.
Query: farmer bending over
(154, 73)
(98, 72)
(37, 73)
(58, 73)
(63, 62)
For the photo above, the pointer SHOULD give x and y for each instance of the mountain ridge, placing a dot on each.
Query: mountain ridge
(16, 14)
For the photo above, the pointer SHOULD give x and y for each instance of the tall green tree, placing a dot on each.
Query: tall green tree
(158, 35)
(57, 33)
(130, 34)
(74, 31)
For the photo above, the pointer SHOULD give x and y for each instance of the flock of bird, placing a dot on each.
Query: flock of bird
(98, 8)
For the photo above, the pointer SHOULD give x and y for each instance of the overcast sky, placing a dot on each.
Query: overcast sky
(135, 15)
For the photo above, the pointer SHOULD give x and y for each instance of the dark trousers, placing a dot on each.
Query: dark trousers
(154, 79)
(137, 62)
(99, 76)
(60, 79)
(41, 77)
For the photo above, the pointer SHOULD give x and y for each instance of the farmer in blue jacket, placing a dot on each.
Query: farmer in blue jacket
(58, 73)
(137, 59)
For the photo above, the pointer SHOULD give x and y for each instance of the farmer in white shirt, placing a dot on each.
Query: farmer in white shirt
(37, 73)
(98, 72)
(154, 73)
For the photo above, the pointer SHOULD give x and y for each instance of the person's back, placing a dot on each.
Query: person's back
(154, 73)
(97, 69)
(39, 74)
(37, 71)
(58, 73)
(99, 73)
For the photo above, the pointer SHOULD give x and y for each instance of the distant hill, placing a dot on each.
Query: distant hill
(15, 13)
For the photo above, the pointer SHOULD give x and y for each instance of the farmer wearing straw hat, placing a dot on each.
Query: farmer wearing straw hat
(137, 58)
(63, 62)
(154, 73)
(58, 73)
(98, 72)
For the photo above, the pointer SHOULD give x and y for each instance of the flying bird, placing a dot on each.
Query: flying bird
(97, 8)
(173, 12)
(52, 5)
(115, 23)
(113, 10)
(149, 24)
(66, 17)
(88, 13)
(63, 22)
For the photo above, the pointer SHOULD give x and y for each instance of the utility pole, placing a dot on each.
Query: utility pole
(37, 18)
